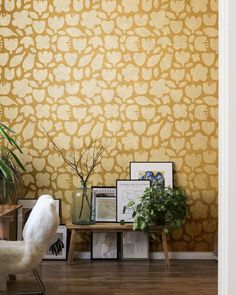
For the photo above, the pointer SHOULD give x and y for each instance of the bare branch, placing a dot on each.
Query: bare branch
(96, 160)
(82, 162)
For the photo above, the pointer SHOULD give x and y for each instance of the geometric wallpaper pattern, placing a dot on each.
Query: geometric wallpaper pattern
(140, 75)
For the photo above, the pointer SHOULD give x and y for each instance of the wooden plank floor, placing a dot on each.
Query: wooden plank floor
(192, 277)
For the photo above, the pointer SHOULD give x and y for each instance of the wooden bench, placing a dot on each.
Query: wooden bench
(110, 227)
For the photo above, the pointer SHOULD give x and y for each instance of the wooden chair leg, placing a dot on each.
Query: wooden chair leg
(72, 246)
(165, 248)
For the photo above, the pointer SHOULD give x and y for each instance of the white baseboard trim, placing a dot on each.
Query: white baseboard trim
(183, 255)
(82, 255)
(160, 255)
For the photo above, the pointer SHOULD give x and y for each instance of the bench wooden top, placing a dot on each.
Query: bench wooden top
(8, 209)
(107, 227)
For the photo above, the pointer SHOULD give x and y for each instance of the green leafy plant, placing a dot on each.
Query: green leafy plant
(10, 165)
(159, 206)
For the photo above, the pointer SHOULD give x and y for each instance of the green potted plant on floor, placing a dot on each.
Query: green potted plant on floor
(159, 206)
(10, 166)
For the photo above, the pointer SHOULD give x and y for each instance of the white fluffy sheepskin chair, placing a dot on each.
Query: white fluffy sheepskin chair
(24, 256)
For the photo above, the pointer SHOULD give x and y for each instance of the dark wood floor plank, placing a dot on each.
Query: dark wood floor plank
(183, 277)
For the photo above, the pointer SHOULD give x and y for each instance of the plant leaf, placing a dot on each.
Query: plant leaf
(9, 138)
(6, 171)
(135, 226)
(133, 214)
(4, 134)
(131, 204)
(6, 127)
(143, 225)
(16, 159)
(165, 230)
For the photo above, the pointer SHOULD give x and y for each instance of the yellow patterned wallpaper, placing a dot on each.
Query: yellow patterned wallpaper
(141, 74)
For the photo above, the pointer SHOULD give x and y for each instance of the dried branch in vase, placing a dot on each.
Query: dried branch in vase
(82, 162)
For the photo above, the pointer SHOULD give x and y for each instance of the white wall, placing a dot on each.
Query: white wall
(227, 148)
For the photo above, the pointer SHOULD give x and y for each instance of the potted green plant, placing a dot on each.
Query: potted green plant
(159, 206)
(10, 165)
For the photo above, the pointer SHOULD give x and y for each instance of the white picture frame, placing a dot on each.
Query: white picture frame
(104, 203)
(57, 248)
(24, 211)
(126, 191)
(104, 245)
(135, 246)
(154, 171)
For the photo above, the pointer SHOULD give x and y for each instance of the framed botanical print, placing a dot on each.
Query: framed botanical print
(58, 245)
(135, 245)
(126, 191)
(104, 202)
(156, 172)
(104, 245)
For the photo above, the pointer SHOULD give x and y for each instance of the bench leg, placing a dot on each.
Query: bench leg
(165, 248)
(4, 229)
(72, 246)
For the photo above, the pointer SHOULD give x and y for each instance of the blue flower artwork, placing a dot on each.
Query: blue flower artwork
(157, 178)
